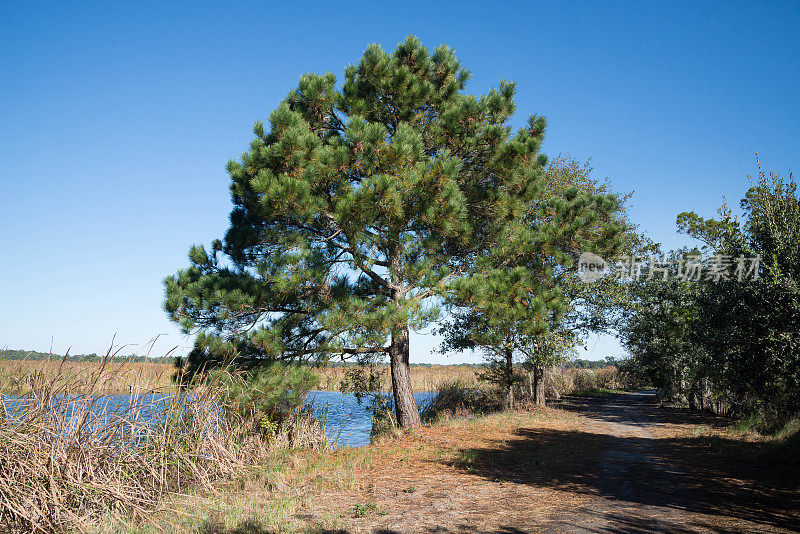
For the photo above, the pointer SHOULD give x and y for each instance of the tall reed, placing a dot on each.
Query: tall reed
(422, 378)
(83, 377)
(67, 459)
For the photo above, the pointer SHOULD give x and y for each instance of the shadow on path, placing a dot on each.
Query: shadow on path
(639, 482)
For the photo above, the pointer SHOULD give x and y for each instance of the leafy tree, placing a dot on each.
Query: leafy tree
(354, 212)
(729, 342)
(520, 303)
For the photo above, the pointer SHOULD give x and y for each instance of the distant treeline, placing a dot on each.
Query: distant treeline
(14, 354)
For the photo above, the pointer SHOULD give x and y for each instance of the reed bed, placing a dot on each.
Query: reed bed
(127, 377)
(68, 459)
(124, 377)
(422, 378)
(573, 381)
(96, 377)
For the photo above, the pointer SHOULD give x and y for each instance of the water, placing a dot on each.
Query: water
(347, 423)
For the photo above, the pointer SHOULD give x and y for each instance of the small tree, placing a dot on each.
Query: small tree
(500, 313)
(355, 210)
(523, 301)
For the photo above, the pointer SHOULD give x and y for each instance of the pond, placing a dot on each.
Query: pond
(347, 422)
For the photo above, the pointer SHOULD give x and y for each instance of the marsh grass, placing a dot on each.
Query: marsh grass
(119, 377)
(123, 377)
(98, 378)
(68, 459)
(422, 378)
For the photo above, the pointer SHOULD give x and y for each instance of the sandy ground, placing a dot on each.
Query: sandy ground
(617, 464)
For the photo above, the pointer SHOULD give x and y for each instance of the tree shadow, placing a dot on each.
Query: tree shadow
(255, 527)
(244, 527)
(460, 529)
(638, 407)
(642, 478)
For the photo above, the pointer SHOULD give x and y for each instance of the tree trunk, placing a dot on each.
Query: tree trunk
(405, 406)
(538, 386)
(509, 375)
(530, 383)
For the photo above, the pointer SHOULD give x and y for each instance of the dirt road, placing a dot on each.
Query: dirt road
(651, 477)
(599, 465)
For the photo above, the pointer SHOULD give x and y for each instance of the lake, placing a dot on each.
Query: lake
(347, 423)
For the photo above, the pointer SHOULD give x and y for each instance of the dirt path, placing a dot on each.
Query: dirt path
(631, 478)
(651, 477)
(618, 464)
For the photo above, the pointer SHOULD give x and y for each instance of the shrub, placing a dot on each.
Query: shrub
(268, 402)
(455, 399)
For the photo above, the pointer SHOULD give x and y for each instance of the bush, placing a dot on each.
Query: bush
(268, 402)
(455, 399)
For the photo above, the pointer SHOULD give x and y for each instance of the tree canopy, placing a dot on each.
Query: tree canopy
(727, 338)
(523, 302)
(359, 208)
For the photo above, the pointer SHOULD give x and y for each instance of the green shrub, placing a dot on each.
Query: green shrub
(269, 402)
(454, 398)
(383, 417)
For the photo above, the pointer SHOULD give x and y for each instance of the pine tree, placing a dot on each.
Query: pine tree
(356, 210)
(523, 302)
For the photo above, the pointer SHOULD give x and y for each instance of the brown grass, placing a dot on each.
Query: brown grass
(120, 377)
(422, 378)
(109, 378)
(577, 381)
(123, 377)
(68, 459)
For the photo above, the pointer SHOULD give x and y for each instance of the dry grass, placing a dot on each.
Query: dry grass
(580, 381)
(67, 459)
(120, 377)
(109, 378)
(274, 497)
(422, 378)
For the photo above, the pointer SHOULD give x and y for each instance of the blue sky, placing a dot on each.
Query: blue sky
(117, 121)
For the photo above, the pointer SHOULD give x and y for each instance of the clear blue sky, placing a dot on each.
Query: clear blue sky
(117, 121)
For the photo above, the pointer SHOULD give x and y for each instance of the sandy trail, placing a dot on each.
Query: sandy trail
(648, 483)
(599, 465)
